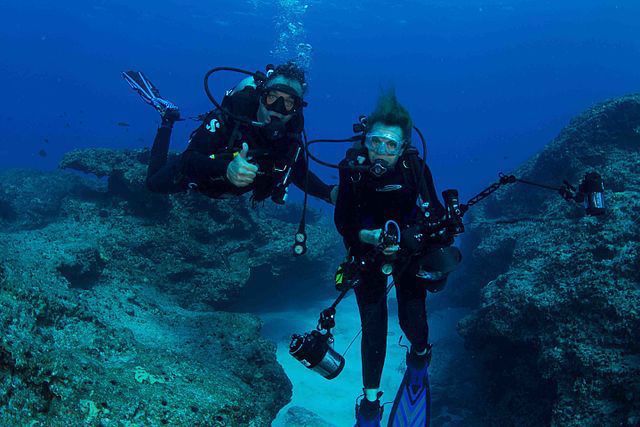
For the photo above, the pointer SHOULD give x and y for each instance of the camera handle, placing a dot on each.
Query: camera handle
(327, 320)
(567, 191)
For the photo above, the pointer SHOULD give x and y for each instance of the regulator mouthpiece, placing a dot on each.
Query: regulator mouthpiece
(378, 168)
(275, 129)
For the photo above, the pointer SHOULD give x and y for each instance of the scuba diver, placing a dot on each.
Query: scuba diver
(394, 225)
(251, 142)
(376, 204)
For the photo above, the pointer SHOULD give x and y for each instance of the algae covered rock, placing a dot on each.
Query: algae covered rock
(125, 171)
(32, 199)
(298, 416)
(121, 353)
(109, 299)
(559, 321)
(203, 251)
(82, 266)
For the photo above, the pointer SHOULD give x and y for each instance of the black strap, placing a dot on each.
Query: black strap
(355, 176)
(413, 169)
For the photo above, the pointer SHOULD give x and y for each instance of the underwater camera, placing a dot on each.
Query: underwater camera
(453, 213)
(315, 349)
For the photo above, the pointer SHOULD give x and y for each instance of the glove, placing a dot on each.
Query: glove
(240, 172)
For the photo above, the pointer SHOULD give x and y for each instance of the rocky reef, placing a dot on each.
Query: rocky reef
(112, 299)
(558, 323)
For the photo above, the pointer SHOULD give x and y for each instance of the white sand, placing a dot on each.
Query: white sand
(334, 400)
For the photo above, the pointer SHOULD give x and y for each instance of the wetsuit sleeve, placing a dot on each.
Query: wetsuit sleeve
(315, 186)
(197, 165)
(345, 214)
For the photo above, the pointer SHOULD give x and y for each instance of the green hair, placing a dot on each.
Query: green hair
(390, 112)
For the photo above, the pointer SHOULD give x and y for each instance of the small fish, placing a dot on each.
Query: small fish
(42, 153)
(46, 141)
(123, 124)
(67, 125)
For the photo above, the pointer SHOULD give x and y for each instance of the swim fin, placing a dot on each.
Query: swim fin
(412, 405)
(150, 94)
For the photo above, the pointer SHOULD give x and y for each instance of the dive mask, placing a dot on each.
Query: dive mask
(384, 143)
(279, 103)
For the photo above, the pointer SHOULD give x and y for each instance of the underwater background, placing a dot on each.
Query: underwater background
(490, 84)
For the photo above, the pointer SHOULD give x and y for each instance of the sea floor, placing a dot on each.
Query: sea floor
(334, 400)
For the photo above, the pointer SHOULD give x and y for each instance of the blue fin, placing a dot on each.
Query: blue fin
(412, 405)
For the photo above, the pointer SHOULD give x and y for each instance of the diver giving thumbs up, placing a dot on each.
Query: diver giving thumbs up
(240, 172)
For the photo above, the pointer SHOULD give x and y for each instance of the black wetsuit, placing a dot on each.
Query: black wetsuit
(368, 204)
(203, 165)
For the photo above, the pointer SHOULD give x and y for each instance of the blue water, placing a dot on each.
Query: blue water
(489, 82)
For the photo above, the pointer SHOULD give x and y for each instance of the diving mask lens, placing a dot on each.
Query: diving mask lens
(383, 144)
(271, 98)
(282, 103)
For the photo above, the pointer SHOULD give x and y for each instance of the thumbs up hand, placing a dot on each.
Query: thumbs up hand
(240, 172)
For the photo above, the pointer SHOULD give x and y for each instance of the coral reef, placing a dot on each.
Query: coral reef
(558, 326)
(111, 314)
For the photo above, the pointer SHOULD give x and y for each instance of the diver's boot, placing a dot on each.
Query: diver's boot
(411, 406)
(368, 413)
(150, 94)
(417, 367)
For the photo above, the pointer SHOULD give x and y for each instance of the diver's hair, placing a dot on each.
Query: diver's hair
(390, 112)
(291, 71)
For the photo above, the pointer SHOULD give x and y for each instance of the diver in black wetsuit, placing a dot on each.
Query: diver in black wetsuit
(366, 202)
(227, 157)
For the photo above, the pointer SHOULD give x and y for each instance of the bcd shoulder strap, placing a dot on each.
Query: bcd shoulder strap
(355, 177)
(413, 168)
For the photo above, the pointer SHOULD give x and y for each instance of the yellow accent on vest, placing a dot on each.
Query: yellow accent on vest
(213, 156)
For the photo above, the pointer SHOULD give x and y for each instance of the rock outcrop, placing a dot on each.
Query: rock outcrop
(213, 252)
(558, 325)
(111, 299)
(298, 416)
